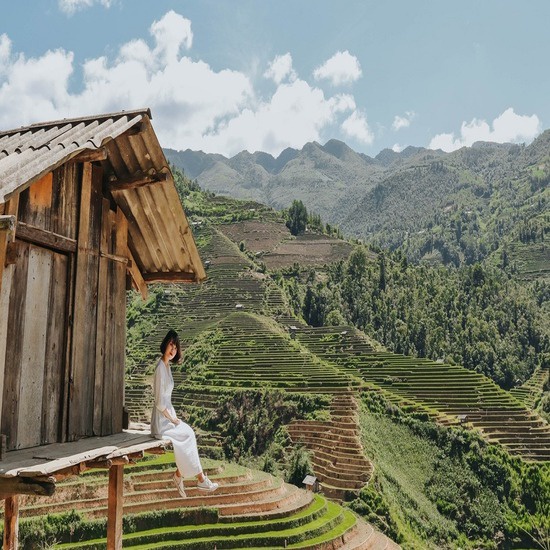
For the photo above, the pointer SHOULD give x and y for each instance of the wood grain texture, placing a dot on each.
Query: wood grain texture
(81, 399)
(114, 508)
(35, 203)
(66, 181)
(53, 402)
(14, 348)
(11, 523)
(102, 330)
(5, 291)
(34, 347)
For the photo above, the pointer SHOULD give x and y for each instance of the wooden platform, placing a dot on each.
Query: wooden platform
(49, 460)
(36, 470)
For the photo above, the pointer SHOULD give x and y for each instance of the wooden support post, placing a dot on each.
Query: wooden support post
(7, 230)
(114, 508)
(137, 278)
(11, 523)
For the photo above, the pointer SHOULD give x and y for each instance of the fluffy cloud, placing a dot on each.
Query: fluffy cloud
(507, 127)
(397, 148)
(37, 86)
(193, 105)
(356, 126)
(295, 114)
(280, 69)
(341, 68)
(71, 6)
(403, 121)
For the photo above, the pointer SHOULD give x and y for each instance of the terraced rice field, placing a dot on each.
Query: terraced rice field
(530, 392)
(259, 348)
(449, 390)
(338, 459)
(250, 509)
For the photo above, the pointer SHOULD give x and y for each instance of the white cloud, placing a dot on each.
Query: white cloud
(71, 6)
(37, 86)
(397, 148)
(171, 33)
(193, 105)
(341, 68)
(356, 126)
(281, 69)
(403, 121)
(507, 127)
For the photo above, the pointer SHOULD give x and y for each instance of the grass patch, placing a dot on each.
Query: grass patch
(404, 463)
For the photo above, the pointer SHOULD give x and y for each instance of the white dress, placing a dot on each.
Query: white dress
(182, 436)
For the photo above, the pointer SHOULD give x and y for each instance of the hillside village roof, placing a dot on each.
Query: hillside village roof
(137, 172)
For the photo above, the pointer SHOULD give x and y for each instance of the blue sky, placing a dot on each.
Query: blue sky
(224, 76)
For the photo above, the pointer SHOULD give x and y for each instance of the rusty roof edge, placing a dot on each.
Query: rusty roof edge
(144, 111)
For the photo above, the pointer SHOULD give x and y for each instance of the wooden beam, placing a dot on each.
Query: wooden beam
(7, 229)
(11, 523)
(138, 181)
(114, 257)
(114, 508)
(99, 464)
(181, 277)
(156, 451)
(26, 486)
(44, 238)
(135, 130)
(70, 471)
(91, 155)
(137, 278)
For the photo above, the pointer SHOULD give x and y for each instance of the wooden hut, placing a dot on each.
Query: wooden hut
(88, 209)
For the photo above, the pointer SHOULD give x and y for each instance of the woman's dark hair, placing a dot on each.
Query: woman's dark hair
(172, 336)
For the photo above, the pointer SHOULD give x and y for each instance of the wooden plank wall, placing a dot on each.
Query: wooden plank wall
(63, 335)
(81, 394)
(34, 341)
(33, 331)
(9, 208)
(111, 323)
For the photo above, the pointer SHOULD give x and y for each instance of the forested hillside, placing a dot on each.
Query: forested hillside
(485, 201)
(434, 454)
(474, 316)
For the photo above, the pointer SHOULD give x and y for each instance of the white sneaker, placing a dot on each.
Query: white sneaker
(207, 485)
(178, 482)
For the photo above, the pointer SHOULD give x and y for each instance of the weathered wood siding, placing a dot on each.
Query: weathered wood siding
(34, 371)
(62, 327)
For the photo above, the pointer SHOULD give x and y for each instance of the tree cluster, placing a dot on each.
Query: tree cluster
(474, 316)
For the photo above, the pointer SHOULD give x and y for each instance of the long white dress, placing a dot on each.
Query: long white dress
(182, 436)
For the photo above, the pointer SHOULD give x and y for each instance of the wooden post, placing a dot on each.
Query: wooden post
(114, 509)
(11, 523)
(7, 229)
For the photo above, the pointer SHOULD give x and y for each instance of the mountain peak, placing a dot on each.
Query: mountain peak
(337, 149)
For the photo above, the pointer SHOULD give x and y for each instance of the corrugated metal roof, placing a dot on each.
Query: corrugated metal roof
(159, 235)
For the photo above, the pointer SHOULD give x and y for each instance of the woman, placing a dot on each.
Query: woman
(166, 425)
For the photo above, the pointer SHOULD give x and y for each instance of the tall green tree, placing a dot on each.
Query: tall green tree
(297, 218)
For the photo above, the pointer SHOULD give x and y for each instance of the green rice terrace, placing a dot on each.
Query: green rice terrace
(243, 342)
(265, 391)
(254, 343)
(250, 509)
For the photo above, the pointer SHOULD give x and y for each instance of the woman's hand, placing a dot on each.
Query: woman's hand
(176, 421)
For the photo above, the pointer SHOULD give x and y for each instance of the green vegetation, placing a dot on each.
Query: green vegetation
(474, 316)
(297, 218)
(446, 488)
(247, 375)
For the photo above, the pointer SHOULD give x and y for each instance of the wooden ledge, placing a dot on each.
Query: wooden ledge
(60, 460)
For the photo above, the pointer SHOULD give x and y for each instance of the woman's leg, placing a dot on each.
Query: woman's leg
(186, 453)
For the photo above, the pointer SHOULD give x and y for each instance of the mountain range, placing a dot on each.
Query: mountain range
(394, 198)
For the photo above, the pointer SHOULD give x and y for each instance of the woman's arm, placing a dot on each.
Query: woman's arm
(175, 420)
(162, 394)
